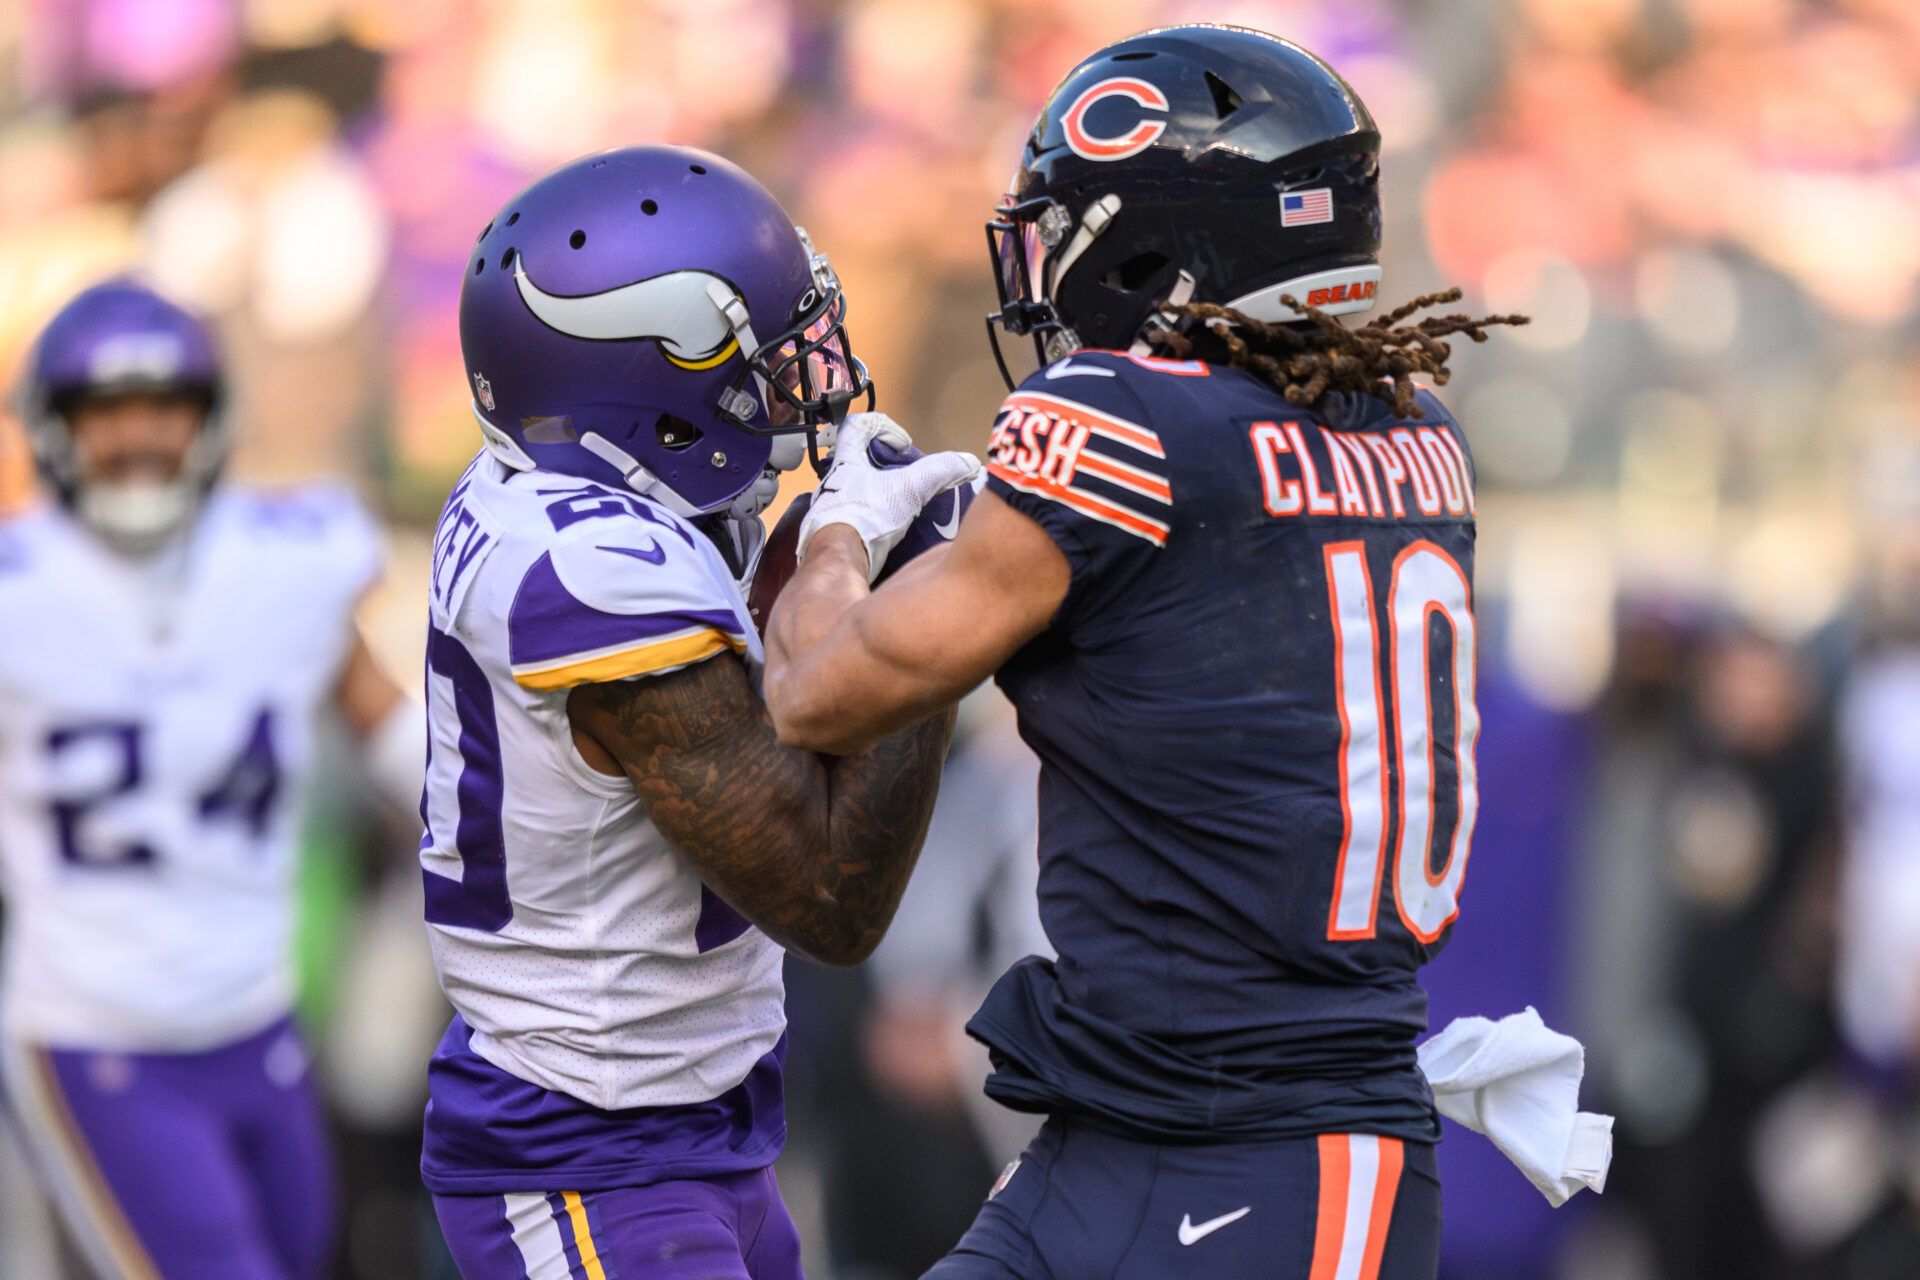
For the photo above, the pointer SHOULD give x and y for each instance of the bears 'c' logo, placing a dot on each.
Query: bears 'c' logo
(1094, 147)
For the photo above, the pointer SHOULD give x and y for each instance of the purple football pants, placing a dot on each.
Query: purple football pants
(729, 1227)
(182, 1165)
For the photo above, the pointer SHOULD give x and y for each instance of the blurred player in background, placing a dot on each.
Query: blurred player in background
(171, 641)
(617, 847)
(1230, 595)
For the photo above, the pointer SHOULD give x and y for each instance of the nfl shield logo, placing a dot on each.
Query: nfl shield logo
(484, 391)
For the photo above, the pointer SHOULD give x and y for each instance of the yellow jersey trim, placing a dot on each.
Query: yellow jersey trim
(638, 660)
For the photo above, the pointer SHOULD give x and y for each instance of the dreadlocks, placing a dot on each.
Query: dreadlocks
(1306, 361)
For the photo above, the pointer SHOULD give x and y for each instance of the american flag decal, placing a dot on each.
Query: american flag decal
(1305, 208)
(1093, 463)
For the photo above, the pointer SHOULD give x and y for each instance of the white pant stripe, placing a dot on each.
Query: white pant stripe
(1363, 1172)
(537, 1236)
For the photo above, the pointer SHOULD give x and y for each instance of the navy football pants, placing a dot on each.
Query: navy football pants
(1085, 1205)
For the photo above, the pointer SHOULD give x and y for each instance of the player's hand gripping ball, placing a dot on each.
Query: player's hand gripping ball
(936, 523)
(880, 502)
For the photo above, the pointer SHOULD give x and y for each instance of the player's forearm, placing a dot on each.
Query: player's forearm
(814, 851)
(364, 694)
(880, 802)
(817, 852)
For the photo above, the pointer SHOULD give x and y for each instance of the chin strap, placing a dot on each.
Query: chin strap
(734, 310)
(1098, 217)
(636, 476)
(754, 499)
(1064, 341)
(1164, 320)
(749, 536)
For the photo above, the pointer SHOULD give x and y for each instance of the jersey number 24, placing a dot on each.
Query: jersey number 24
(1397, 716)
(245, 791)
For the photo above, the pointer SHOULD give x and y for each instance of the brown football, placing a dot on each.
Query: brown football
(777, 562)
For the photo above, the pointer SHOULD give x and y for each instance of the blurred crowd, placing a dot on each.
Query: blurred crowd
(1700, 572)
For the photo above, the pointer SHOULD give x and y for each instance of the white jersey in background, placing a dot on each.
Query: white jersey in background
(582, 953)
(156, 725)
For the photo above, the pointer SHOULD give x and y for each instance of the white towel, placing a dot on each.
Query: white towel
(1518, 1081)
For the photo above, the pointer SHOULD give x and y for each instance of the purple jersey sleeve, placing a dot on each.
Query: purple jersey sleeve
(631, 599)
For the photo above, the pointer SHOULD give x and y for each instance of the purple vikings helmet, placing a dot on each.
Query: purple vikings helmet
(118, 338)
(650, 318)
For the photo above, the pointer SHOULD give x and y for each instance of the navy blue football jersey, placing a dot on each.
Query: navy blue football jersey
(1255, 717)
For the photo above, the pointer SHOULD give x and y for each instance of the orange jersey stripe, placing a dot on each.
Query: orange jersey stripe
(1085, 503)
(1114, 472)
(1131, 434)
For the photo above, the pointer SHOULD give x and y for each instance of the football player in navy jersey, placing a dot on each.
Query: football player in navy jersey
(1223, 568)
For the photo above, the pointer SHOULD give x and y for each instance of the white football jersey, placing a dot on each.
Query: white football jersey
(579, 947)
(156, 724)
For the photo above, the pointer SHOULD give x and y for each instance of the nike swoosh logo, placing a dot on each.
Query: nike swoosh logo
(652, 554)
(1068, 369)
(951, 525)
(1190, 1234)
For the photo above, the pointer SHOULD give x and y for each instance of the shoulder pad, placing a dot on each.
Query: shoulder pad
(1079, 435)
(327, 517)
(302, 511)
(622, 589)
(1096, 362)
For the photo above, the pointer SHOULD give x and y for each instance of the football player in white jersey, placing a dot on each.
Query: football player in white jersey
(617, 848)
(169, 641)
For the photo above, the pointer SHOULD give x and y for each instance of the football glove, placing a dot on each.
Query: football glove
(877, 501)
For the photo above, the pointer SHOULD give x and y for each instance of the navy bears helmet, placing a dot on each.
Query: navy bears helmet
(1194, 163)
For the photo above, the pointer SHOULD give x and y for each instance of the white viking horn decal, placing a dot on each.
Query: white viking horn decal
(675, 310)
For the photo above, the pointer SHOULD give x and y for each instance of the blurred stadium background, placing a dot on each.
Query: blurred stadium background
(1700, 576)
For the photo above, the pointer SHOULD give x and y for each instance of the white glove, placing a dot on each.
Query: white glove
(875, 502)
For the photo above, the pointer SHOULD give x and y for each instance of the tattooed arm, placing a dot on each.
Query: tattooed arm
(815, 850)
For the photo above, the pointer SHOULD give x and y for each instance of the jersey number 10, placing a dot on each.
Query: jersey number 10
(1426, 582)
